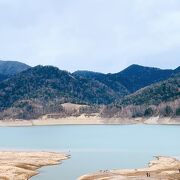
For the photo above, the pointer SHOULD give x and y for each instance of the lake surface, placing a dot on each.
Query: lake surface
(93, 147)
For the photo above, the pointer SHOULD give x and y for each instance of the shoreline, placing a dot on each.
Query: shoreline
(165, 168)
(95, 120)
(22, 165)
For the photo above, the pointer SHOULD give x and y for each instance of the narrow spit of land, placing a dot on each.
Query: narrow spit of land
(162, 168)
(23, 165)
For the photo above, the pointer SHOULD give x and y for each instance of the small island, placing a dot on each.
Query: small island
(23, 165)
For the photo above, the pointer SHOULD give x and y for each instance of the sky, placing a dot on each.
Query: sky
(97, 35)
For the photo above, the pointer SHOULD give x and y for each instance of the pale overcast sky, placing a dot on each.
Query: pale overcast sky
(98, 35)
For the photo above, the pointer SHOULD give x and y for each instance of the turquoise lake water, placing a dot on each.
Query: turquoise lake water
(94, 147)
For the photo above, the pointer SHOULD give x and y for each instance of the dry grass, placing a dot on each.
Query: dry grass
(4, 178)
(27, 166)
(175, 176)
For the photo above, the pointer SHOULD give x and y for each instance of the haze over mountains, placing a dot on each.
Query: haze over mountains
(24, 87)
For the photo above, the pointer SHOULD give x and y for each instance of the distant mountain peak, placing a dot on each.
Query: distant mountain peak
(135, 65)
(139, 67)
(12, 67)
(177, 70)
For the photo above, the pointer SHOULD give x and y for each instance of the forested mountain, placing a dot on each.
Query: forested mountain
(9, 68)
(132, 78)
(136, 77)
(49, 83)
(106, 79)
(42, 89)
(90, 74)
(3, 77)
(164, 91)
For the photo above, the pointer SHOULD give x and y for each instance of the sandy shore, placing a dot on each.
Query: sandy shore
(162, 168)
(24, 165)
(88, 120)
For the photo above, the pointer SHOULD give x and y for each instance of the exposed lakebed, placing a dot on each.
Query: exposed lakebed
(94, 147)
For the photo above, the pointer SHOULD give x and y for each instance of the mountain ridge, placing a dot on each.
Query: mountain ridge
(133, 77)
(163, 91)
(42, 89)
(9, 68)
(48, 82)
